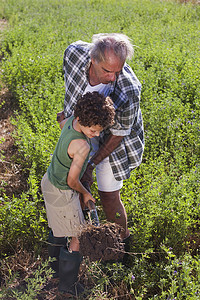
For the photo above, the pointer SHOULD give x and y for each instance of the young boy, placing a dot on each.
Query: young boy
(61, 184)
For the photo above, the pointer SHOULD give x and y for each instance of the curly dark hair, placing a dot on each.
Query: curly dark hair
(95, 109)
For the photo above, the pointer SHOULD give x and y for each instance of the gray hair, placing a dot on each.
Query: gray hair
(117, 42)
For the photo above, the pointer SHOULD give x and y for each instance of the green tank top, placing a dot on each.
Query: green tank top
(60, 164)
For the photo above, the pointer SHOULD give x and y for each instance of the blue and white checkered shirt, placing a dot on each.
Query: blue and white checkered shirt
(125, 93)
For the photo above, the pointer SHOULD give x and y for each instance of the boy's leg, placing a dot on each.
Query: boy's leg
(74, 244)
(54, 246)
(64, 213)
(69, 264)
(69, 268)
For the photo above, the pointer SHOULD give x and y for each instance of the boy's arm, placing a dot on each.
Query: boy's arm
(62, 123)
(78, 150)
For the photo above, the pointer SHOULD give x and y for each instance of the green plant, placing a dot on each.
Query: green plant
(32, 287)
(183, 277)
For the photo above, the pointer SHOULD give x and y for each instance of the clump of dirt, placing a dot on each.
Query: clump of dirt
(102, 243)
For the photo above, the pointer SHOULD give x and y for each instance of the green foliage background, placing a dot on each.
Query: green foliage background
(162, 196)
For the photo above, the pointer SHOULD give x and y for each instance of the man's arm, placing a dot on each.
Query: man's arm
(105, 150)
(60, 116)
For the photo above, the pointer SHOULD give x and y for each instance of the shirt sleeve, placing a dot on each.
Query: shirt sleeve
(123, 120)
(127, 107)
(74, 61)
(69, 84)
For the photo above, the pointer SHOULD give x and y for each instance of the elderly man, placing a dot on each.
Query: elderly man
(101, 66)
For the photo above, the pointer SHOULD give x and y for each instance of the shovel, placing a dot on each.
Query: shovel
(93, 216)
(91, 211)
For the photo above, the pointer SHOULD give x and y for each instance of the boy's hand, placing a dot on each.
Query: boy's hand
(86, 198)
(83, 198)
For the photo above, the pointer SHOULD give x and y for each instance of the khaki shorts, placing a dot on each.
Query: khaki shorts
(64, 213)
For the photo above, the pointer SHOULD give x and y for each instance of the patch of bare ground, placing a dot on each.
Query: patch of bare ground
(13, 179)
(12, 176)
(25, 264)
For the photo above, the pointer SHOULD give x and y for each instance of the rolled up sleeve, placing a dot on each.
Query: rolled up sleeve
(126, 116)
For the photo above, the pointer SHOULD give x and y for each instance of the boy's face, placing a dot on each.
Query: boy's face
(92, 131)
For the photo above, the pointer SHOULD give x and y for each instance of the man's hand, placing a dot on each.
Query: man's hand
(60, 116)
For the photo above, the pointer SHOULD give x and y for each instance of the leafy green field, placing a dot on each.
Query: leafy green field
(162, 197)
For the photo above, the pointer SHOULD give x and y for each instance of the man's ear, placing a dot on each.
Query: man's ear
(93, 61)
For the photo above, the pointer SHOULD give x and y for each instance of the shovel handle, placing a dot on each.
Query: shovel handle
(93, 216)
(93, 213)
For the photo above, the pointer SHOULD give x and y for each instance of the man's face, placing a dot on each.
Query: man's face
(105, 71)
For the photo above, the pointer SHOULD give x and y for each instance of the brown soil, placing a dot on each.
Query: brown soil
(12, 176)
(24, 264)
(102, 243)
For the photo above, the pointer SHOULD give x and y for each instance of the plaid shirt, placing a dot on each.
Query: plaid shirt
(125, 93)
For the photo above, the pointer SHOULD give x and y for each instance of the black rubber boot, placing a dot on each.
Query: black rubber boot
(69, 263)
(55, 244)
